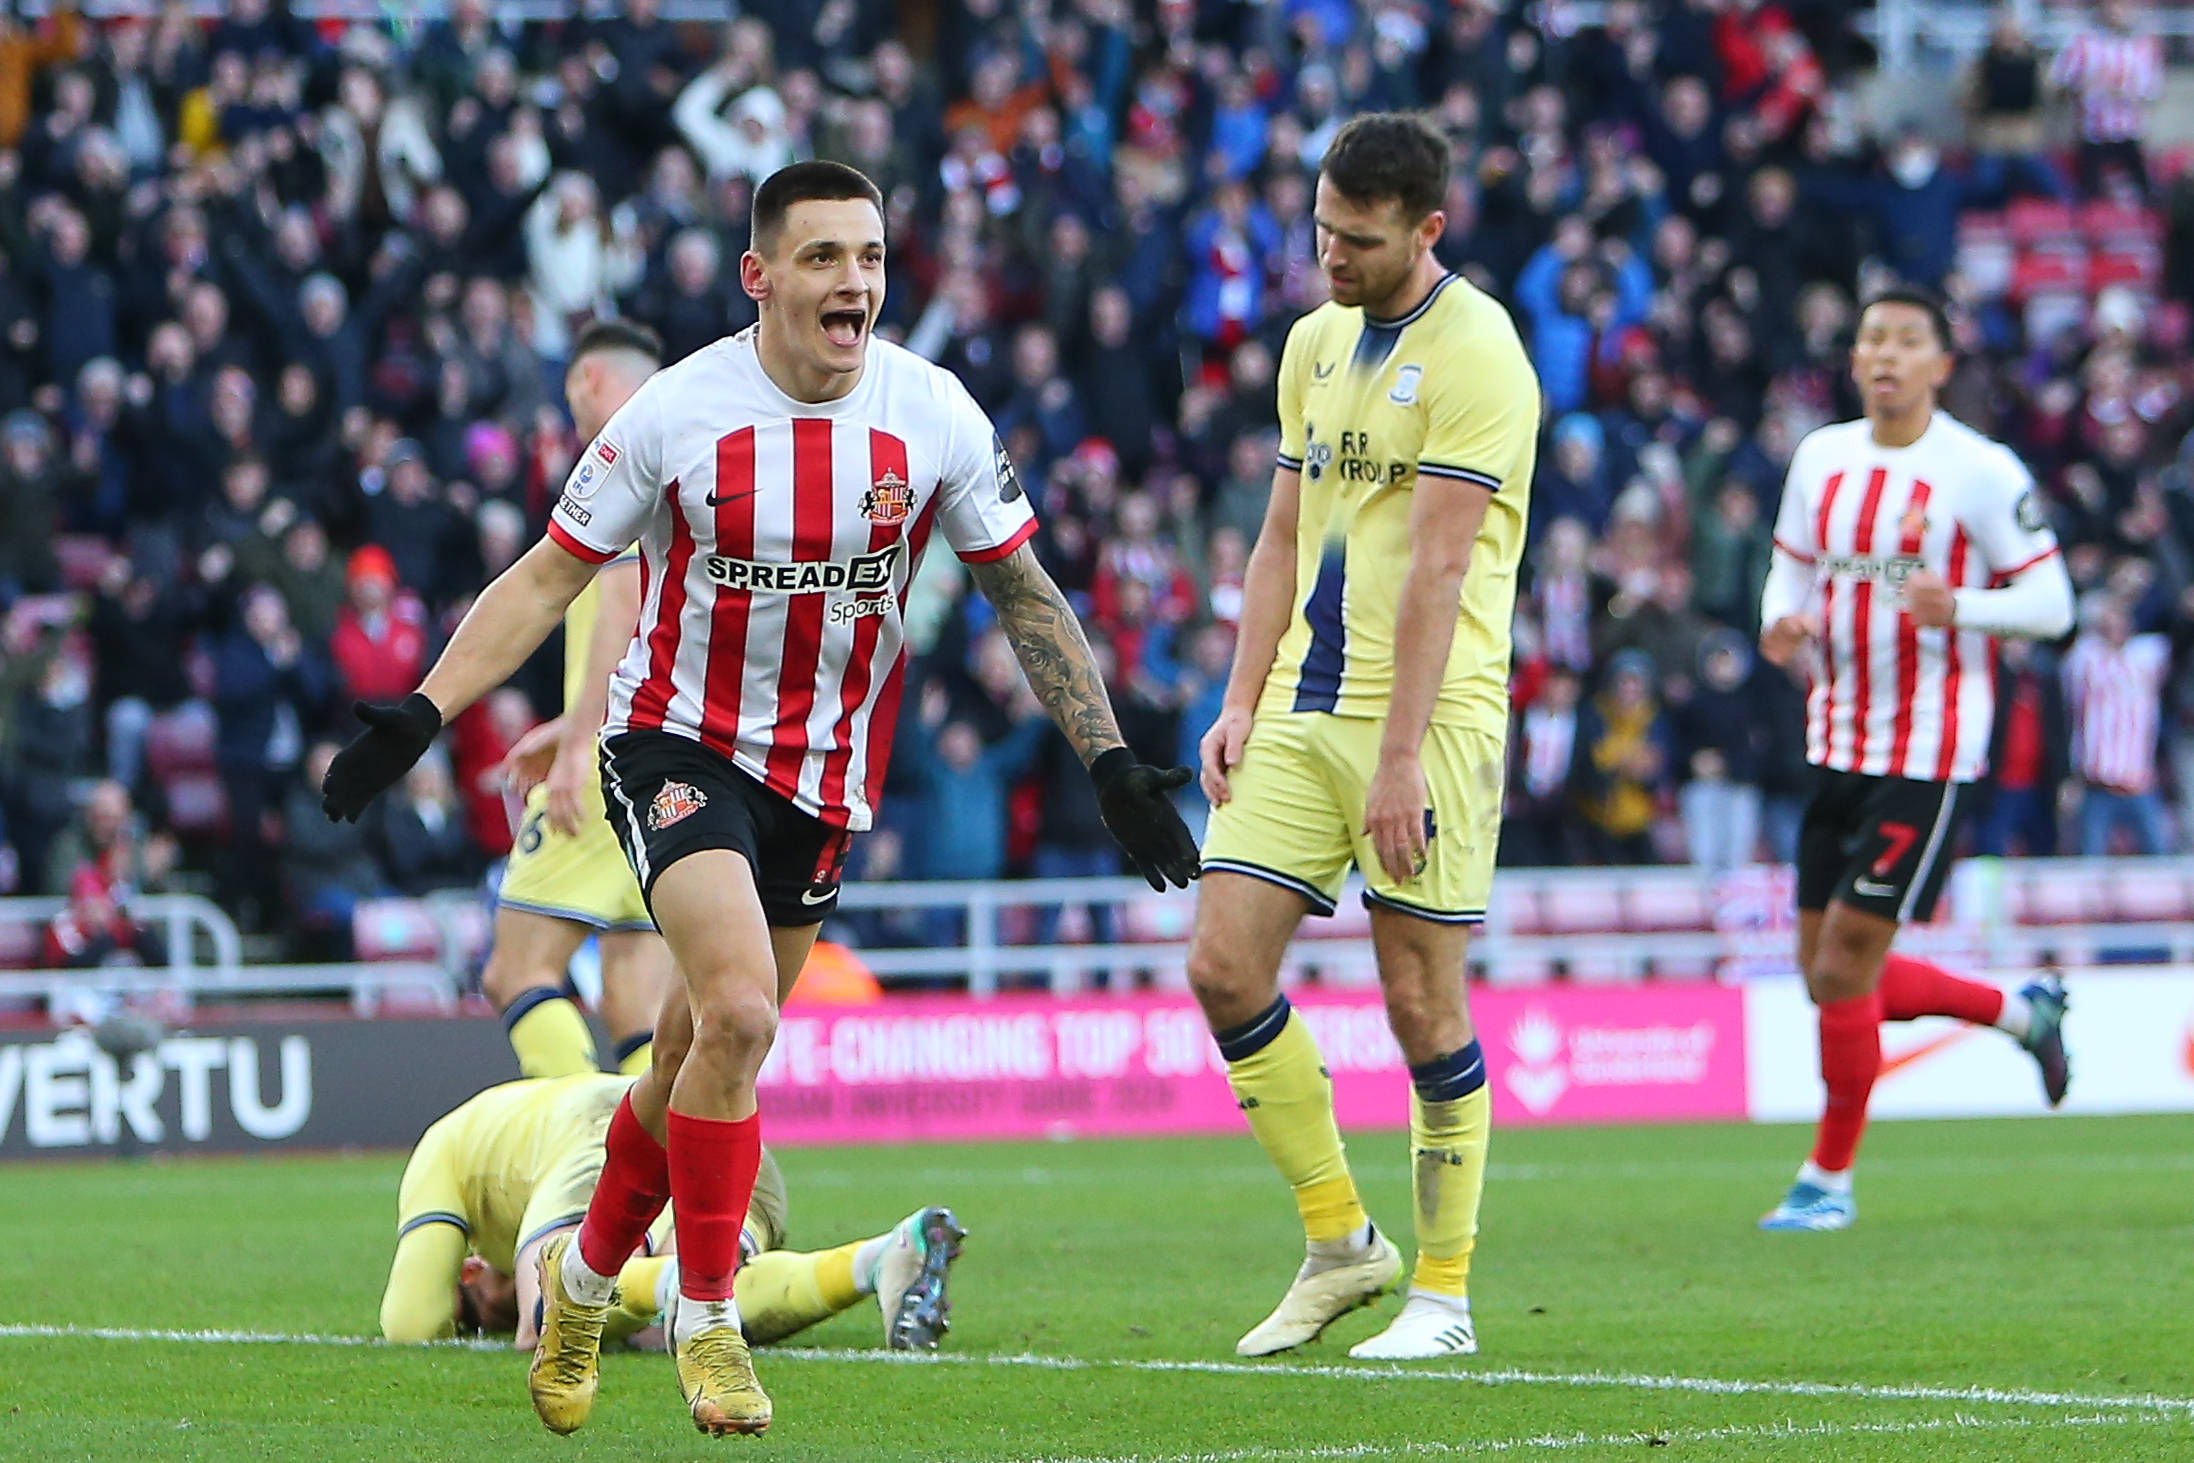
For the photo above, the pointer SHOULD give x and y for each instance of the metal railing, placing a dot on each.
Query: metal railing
(995, 942)
(205, 961)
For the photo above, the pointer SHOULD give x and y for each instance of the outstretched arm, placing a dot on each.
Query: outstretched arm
(1054, 653)
(506, 624)
(1061, 670)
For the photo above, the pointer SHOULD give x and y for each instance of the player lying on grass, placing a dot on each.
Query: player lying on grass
(493, 1182)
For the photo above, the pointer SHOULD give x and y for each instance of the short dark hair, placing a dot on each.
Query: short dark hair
(1927, 302)
(819, 181)
(617, 335)
(1383, 155)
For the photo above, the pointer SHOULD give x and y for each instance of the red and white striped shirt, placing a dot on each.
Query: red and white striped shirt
(2116, 696)
(2116, 76)
(777, 541)
(1893, 699)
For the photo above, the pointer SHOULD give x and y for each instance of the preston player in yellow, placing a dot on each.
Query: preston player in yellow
(493, 1181)
(567, 876)
(1365, 723)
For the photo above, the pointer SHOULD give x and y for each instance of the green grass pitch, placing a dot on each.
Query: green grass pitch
(2014, 1290)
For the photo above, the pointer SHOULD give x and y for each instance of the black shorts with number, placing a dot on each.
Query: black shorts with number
(1878, 844)
(669, 796)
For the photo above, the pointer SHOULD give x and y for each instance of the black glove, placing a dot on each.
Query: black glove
(1142, 819)
(394, 738)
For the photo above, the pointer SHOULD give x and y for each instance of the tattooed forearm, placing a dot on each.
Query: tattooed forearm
(1054, 653)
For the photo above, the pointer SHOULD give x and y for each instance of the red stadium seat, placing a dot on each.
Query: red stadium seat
(2140, 894)
(1670, 905)
(2115, 224)
(1986, 255)
(21, 944)
(1582, 908)
(1515, 908)
(2139, 267)
(197, 805)
(2063, 897)
(395, 929)
(180, 741)
(2039, 222)
(2050, 271)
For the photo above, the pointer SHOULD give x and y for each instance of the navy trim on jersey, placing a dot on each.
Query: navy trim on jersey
(1484, 480)
(1422, 305)
(1291, 462)
(565, 1221)
(1375, 344)
(1318, 687)
(439, 1216)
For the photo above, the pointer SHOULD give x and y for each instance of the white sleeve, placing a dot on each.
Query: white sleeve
(984, 511)
(2007, 521)
(2032, 593)
(617, 484)
(1790, 573)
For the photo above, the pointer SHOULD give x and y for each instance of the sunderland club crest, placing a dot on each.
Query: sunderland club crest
(674, 802)
(888, 500)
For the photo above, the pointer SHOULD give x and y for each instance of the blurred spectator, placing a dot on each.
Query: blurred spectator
(2004, 98)
(92, 929)
(2028, 757)
(959, 791)
(109, 840)
(379, 643)
(31, 488)
(26, 49)
(2113, 75)
(1717, 733)
(268, 686)
(138, 628)
(2114, 683)
(327, 866)
(1539, 824)
(1622, 763)
(421, 831)
(48, 741)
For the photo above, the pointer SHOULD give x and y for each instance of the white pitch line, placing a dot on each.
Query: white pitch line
(1567, 1442)
(1488, 1377)
(807, 1174)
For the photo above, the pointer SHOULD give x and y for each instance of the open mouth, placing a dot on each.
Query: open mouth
(844, 327)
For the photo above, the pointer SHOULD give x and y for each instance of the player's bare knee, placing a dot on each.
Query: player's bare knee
(739, 1023)
(1225, 986)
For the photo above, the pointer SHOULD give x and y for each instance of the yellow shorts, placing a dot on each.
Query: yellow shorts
(583, 878)
(1297, 815)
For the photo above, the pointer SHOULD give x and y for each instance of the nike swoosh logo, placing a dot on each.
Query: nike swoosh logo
(1926, 1049)
(1873, 890)
(716, 500)
(809, 896)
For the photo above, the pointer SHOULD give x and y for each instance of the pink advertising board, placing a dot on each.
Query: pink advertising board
(914, 1068)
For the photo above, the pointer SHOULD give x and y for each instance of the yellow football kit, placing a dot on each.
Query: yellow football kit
(584, 877)
(1368, 408)
(520, 1160)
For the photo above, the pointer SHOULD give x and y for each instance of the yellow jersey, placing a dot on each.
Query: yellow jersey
(508, 1156)
(1367, 407)
(579, 620)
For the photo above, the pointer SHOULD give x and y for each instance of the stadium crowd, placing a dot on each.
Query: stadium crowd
(283, 307)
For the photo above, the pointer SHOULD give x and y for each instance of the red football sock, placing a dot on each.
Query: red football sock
(1913, 988)
(712, 1168)
(633, 1188)
(1851, 1058)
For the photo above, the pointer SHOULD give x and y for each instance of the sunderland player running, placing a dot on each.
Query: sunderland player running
(1905, 543)
(567, 877)
(1364, 723)
(506, 1172)
(782, 483)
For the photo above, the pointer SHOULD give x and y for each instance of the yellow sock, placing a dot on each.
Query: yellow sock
(783, 1291)
(1281, 1085)
(549, 1035)
(636, 1062)
(1447, 1141)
